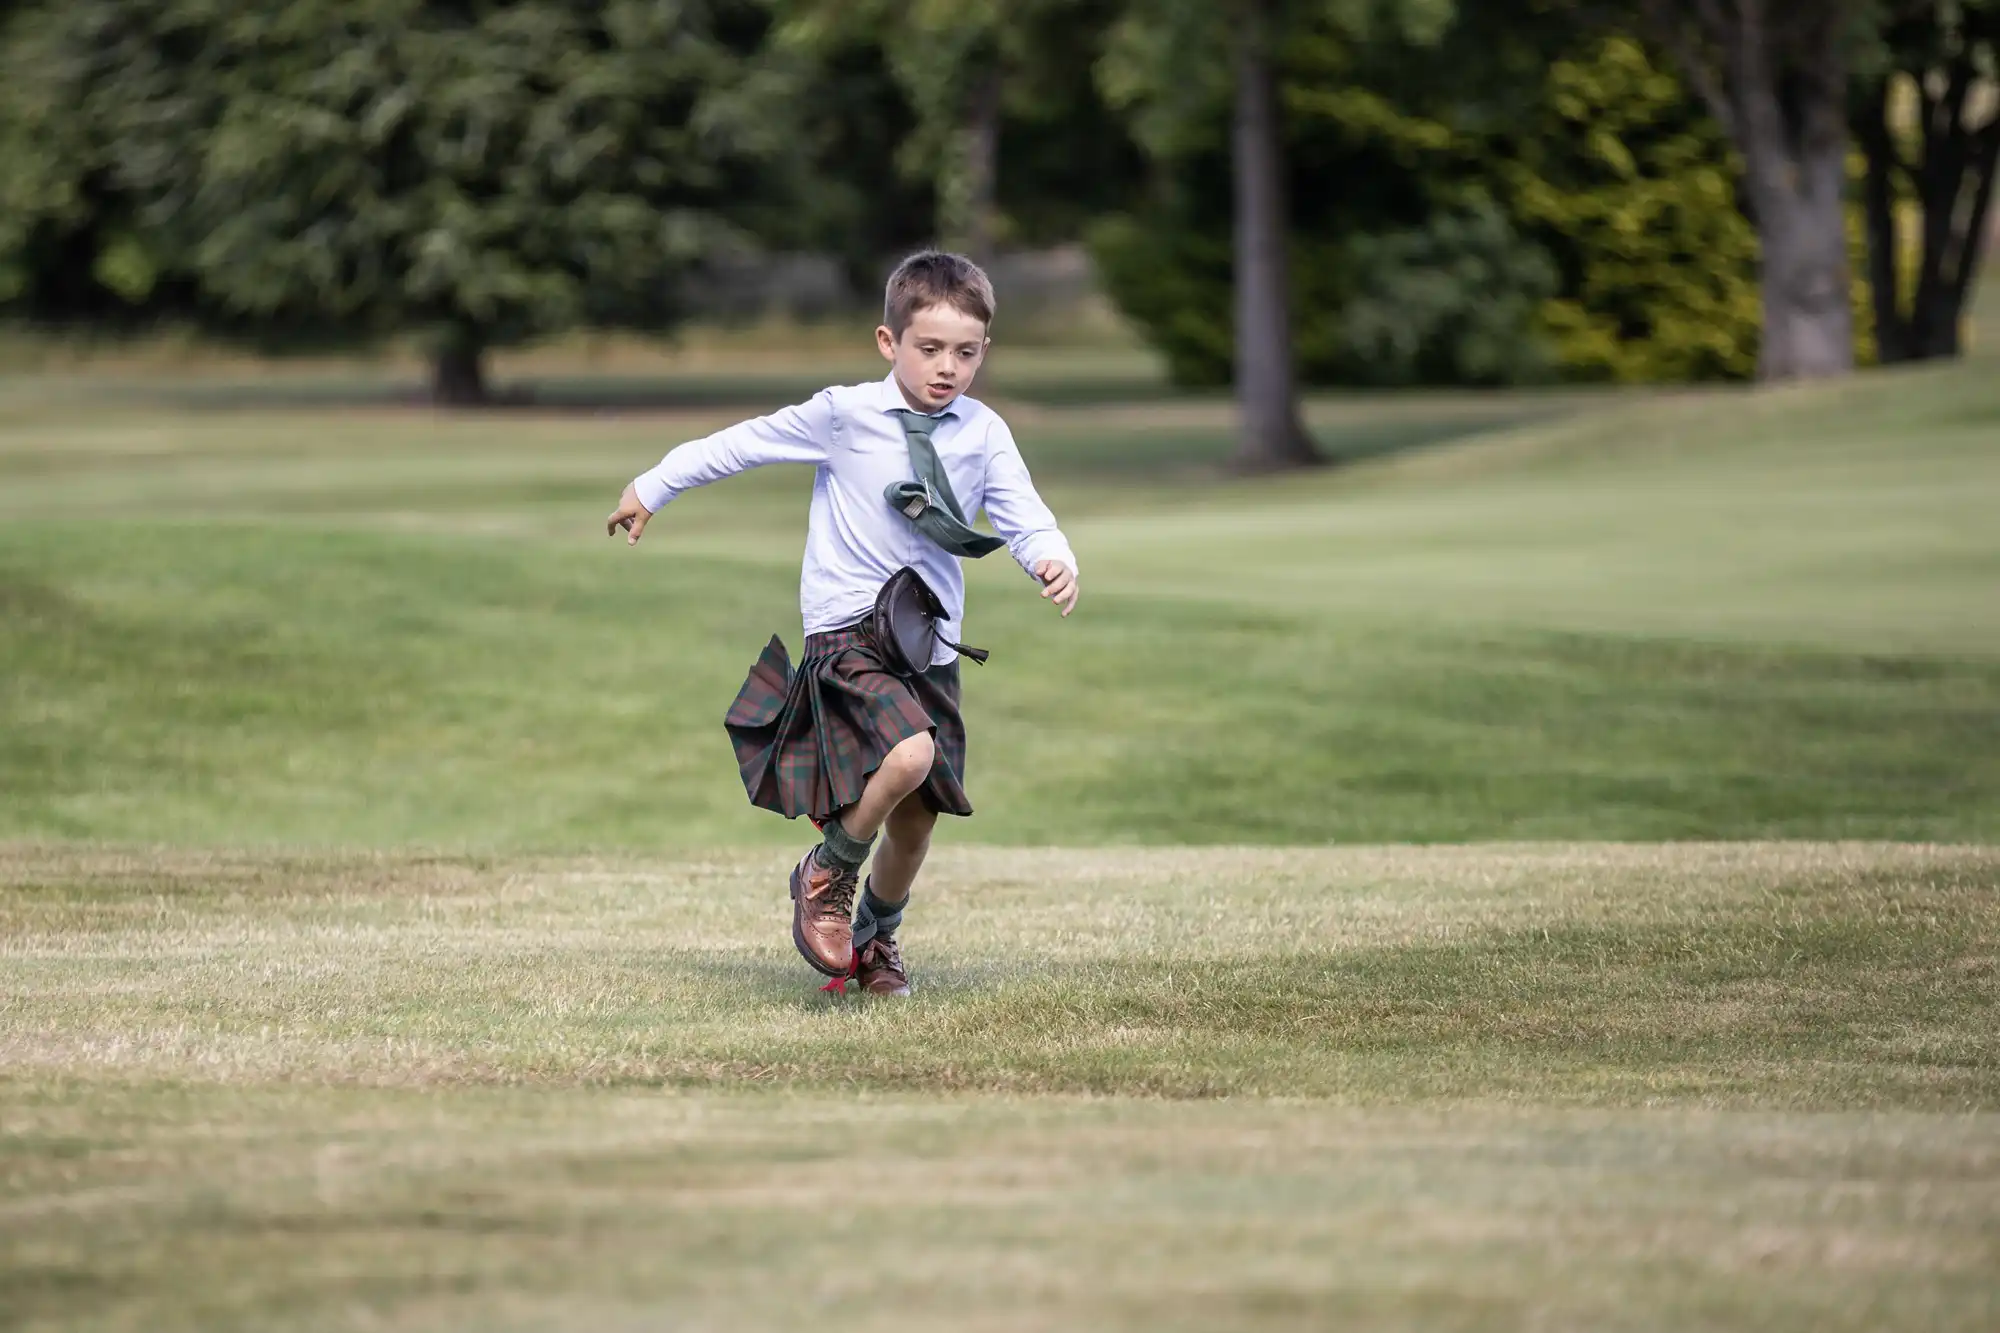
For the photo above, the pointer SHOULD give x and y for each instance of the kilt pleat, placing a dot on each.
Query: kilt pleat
(808, 738)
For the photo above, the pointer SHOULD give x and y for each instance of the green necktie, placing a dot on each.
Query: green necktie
(928, 501)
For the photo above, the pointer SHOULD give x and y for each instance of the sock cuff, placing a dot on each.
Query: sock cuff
(843, 848)
(876, 918)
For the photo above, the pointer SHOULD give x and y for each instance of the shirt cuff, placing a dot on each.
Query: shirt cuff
(1054, 551)
(652, 492)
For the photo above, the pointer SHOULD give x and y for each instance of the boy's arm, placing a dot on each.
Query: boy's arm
(1026, 523)
(794, 435)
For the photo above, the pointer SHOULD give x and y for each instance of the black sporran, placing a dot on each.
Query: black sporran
(904, 626)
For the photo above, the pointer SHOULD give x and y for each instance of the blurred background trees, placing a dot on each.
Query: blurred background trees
(1273, 192)
(1774, 75)
(1924, 115)
(477, 174)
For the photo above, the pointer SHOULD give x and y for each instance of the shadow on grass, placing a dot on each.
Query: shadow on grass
(1826, 1015)
(1872, 992)
(789, 984)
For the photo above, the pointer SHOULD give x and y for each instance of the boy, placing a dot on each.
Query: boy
(843, 739)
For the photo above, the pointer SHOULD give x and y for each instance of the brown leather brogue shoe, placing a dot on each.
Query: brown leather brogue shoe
(879, 968)
(823, 915)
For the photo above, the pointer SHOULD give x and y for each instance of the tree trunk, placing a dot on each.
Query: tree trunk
(458, 369)
(1940, 180)
(1272, 435)
(1956, 198)
(1795, 156)
(1892, 335)
(1952, 182)
(982, 169)
(1978, 223)
(1808, 323)
(1780, 90)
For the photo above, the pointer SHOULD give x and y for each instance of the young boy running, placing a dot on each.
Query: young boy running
(843, 739)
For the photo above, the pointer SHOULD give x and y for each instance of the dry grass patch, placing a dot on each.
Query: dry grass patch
(136, 1205)
(1396, 1088)
(1778, 975)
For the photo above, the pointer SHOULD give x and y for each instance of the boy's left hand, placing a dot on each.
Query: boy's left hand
(1058, 584)
(629, 515)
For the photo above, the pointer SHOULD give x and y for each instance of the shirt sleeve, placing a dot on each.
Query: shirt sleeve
(1018, 512)
(794, 435)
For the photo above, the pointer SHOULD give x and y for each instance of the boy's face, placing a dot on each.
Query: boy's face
(936, 357)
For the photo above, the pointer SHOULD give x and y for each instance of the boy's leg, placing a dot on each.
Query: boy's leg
(906, 840)
(823, 885)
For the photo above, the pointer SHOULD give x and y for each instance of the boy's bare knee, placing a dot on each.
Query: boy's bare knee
(906, 766)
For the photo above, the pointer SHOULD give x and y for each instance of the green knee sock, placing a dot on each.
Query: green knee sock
(842, 849)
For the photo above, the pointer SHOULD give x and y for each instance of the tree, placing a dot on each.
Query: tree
(970, 72)
(1513, 196)
(1631, 186)
(1774, 73)
(486, 171)
(1172, 65)
(72, 249)
(1272, 433)
(946, 62)
(1942, 56)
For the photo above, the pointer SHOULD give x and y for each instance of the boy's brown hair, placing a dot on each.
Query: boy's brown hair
(935, 277)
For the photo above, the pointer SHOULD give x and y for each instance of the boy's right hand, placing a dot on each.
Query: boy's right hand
(629, 515)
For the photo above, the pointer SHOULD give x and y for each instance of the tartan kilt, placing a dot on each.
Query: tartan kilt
(807, 739)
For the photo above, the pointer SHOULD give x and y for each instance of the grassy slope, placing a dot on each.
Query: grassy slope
(1174, 1088)
(1565, 1087)
(1719, 616)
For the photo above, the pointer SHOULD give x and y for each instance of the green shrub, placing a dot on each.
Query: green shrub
(1452, 301)
(1450, 228)
(1636, 195)
(1173, 283)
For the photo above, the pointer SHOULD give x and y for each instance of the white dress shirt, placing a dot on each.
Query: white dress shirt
(855, 540)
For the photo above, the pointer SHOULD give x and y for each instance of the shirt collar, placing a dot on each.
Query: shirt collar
(892, 400)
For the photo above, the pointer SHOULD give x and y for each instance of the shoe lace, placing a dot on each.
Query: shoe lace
(840, 887)
(883, 952)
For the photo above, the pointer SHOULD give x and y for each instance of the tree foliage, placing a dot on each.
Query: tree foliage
(1205, 88)
(1006, 135)
(1373, 191)
(1635, 193)
(1512, 197)
(488, 171)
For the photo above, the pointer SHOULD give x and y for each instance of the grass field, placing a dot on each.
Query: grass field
(1720, 1086)
(1708, 617)
(384, 941)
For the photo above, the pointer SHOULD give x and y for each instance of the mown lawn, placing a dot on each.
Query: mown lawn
(385, 942)
(1643, 1087)
(1721, 616)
